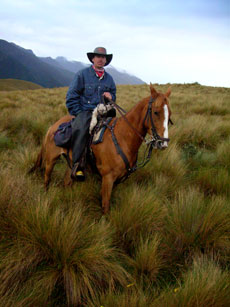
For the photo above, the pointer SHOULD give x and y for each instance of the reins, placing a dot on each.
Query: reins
(155, 142)
(122, 113)
(155, 136)
(156, 139)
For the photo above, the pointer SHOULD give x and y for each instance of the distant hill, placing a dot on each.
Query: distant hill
(15, 85)
(74, 66)
(123, 77)
(22, 64)
(61, 62)
(19, 63)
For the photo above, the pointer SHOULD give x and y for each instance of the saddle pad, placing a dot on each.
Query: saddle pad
(62, 137)
(98, 134)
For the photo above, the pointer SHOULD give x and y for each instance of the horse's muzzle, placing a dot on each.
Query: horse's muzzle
(161, 143)
(164, 144)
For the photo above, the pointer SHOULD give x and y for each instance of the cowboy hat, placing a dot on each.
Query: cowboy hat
(100, 51)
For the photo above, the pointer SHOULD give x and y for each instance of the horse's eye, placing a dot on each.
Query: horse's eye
(156, 113)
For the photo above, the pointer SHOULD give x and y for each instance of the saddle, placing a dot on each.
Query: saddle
(99, 130)
(101, 117)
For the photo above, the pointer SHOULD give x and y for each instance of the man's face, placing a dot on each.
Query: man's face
(99, 61)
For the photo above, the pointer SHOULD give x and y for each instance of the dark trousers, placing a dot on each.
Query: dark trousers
(80, 134)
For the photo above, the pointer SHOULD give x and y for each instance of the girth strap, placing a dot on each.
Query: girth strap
(118, 148)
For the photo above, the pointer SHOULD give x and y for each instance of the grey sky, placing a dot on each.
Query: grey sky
(159, 41)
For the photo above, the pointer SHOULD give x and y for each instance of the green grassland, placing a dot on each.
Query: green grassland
(166, 241)
(13, 85)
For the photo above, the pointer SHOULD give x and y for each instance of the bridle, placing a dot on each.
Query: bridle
(155, 142)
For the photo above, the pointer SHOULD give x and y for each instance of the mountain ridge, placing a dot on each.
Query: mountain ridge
(22, 64)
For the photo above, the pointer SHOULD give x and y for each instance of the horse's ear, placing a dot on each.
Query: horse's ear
(168, 93)
(153, 91)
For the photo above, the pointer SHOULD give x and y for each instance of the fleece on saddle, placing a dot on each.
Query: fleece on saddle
(99, 122)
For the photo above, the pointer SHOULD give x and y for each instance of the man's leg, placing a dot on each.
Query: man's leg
(80, 137)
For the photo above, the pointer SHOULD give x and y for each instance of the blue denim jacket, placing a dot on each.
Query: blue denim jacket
(85, 91)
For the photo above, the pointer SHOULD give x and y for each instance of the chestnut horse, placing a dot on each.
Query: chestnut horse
(151, 115)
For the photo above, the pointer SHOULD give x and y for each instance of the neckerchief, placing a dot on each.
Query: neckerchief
(99, 72)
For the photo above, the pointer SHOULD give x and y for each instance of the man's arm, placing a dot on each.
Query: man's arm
(112, 94)
(73, 96)
(113, 91)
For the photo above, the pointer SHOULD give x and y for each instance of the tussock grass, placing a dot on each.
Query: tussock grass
(204, 284)
(199, 130)
(41, 257)
(5, 142)
(222, 153)
(149, 260)
(213, 180)
(166, 239)
(166, 172)
(138, 213)
(14, 85)
(169, 163)
(130, 297)
(209, 106)
(195, 224)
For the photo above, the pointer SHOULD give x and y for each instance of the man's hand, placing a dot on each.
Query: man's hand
(107, 95)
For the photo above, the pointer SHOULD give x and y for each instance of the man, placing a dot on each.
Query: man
(84, 94)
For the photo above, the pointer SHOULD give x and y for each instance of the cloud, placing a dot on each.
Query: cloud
(158, 41)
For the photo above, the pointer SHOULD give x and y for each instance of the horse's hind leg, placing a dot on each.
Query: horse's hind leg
(38, 162)
(48, 170)
(67, 179)
(107, 186)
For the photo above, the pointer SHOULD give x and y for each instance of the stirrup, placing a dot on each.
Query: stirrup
(77, 174)
(80, 176)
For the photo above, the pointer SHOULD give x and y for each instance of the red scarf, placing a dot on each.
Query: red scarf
(100, 72)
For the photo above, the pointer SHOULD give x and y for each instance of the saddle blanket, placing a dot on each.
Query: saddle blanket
(99, 122)
(100, 130)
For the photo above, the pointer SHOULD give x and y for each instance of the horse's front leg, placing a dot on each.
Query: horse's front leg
(107, 186)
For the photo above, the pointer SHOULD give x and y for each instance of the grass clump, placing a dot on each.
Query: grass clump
(57, 254)
(130, 297)
(5, 142)
(195, 224)
(166, 241)
(15, 85)
(213, 180)
(148, 260)
(222, 153)
(204, 284)
(137, 214)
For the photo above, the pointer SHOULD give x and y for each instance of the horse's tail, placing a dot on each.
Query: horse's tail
(42, 154)
(38, 162)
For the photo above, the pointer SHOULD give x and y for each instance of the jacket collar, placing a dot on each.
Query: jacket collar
(92, 71)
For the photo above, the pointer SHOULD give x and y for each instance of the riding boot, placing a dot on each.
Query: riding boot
(79, 168)
(80, 137)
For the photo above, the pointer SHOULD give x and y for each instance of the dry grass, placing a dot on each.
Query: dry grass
(166, 240)
(14, 85)
(51, 249)
(195, 224)
(138, 213)
(204, 284)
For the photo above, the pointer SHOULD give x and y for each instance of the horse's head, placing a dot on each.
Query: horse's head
(158, 117)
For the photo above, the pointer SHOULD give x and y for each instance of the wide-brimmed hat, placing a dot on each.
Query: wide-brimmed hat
(100, 51)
